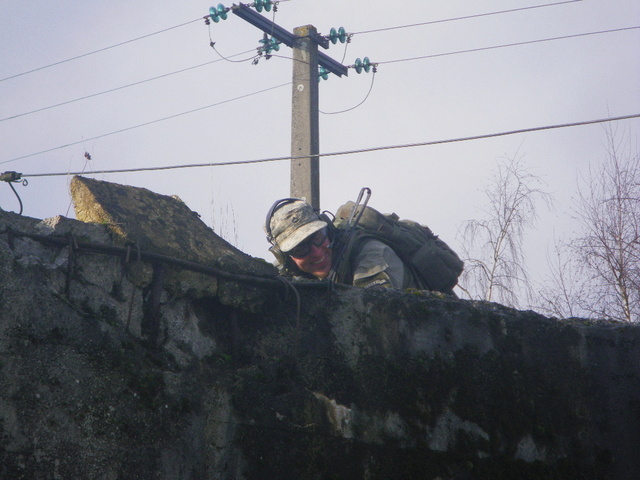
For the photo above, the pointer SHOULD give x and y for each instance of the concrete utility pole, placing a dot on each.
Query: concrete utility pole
(305, 132)
(305, 172)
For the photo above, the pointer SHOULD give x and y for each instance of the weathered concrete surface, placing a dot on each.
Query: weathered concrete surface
(161, 224)
(365, 384)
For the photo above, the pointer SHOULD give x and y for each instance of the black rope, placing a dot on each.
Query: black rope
(71, 246)
(288, 285)
(14, 177)
(124, 252)
(126, 263)
(18, 197)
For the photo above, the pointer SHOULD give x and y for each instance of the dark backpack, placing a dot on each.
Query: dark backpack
(433, 264)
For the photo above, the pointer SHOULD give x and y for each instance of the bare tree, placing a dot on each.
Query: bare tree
(609, 248)
(562, 293)
(225, 224)
(493, 247)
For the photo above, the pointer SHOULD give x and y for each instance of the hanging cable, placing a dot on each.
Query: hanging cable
(349, 152)
(99, 50)
(373, 77)
(228, 59)
(346, 46)
(146, 123)
(212, 44)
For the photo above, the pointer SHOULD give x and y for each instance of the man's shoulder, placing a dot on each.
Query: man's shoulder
(374, 259)
(371, 244)
(367, 248)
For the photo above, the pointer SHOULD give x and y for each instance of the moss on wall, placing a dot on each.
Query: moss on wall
(363, 384)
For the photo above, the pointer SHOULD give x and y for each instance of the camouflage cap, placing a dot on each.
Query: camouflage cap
(294, 222)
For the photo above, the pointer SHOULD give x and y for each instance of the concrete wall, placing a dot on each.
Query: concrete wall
(105, 374)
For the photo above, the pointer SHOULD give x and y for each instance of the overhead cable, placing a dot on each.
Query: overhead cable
(119, 88)
(347, 152)
(435, 55)
(529, 42)
(432, 22)
(288, 83)
(145, 124)
(356, 33)
(99, 50)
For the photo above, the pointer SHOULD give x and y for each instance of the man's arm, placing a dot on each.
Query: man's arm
(377, 265)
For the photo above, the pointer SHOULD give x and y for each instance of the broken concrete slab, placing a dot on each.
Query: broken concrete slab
(161, 224)
(158, 223)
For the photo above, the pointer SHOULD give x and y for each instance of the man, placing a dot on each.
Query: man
(307, 244)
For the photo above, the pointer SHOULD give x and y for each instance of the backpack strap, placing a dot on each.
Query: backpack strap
(344, 244)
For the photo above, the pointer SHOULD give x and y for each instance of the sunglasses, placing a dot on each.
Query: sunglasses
(303, 249)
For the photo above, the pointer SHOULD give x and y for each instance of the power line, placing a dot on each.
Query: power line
(99, 50)
(348, 152)
(120, 88)
(199, 19)
(507, 45)
(288, 83)
(435, 55)
(146, 123)
(356, 33)
(464, 18)
(110, 47)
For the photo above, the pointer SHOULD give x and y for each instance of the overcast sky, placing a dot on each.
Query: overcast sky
(424, 90)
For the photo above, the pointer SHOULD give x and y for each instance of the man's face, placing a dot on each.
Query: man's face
(313, 255)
